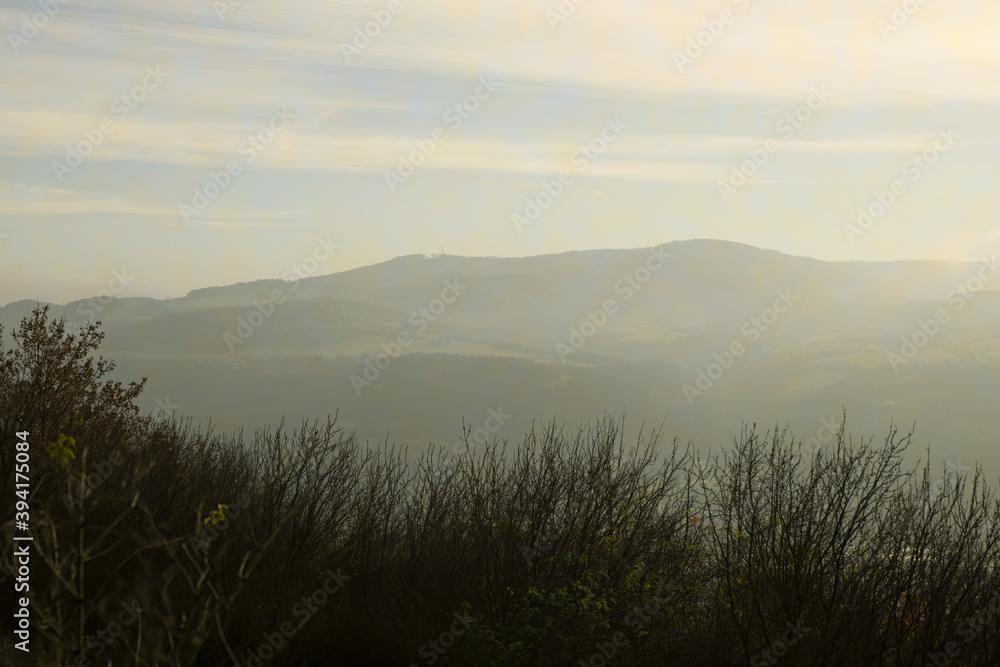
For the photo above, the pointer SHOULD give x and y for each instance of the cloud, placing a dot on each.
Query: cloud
(23, 199)
(226, 75)
(357, 119)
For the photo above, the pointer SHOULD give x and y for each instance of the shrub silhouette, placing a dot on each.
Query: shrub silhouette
(304, 547)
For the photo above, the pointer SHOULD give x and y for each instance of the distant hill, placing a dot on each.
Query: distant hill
(507, 339)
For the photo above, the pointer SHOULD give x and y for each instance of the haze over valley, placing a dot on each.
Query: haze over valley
(699, 336)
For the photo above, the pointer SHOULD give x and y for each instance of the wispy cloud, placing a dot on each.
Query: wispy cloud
(354, 119)
(22, 199)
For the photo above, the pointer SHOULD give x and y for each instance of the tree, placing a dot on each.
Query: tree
(51, 386)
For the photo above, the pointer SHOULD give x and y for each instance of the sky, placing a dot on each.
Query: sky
(510, 128)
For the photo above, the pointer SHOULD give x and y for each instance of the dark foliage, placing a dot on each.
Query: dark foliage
(160, 544)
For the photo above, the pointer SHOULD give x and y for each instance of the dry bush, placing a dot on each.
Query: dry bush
(547, 551)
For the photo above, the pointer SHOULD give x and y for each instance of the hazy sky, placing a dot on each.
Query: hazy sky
(331, 121)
